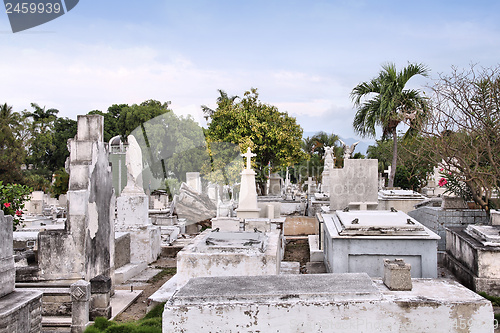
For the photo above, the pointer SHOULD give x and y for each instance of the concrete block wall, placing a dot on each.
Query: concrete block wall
(437, 219)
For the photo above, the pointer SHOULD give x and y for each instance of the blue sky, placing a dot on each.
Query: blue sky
(303, 56)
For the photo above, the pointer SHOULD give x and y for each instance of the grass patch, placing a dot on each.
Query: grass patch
(493, 299)
(165, 272)
(156, 312)
(151, 323)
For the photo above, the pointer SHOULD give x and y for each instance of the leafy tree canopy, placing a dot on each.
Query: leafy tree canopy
(273, 135)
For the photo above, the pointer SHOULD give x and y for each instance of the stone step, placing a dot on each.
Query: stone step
(56, 324)
(289, 267)
(145, 275)
(315, 267)
(128, 271)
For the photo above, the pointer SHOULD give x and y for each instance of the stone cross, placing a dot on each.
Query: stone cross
(248, 155)
(309, 184)
(388, 171)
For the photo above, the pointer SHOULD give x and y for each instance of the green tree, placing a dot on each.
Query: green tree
(223, 101)
(134, 116)
(462, 132)
(39, 145)
(385, 102)
(110, 120)
(314, 146)
(11, 150)
(412, 172)
(273, 135)
(64, 129)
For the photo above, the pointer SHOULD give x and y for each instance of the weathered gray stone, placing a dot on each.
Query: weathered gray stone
(122, 249)
(80, 296)
(397, 275)
(323, 303)
(359, 241)
(275, 183)
(453, 203)
(437, 219)
(7, 270)
(20, 312)
(100, 301)
(85, 247)
(193, 206)
(229, 253)
(473, 260)
(356, 182)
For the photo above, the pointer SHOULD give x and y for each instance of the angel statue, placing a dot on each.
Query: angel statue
(348, 150)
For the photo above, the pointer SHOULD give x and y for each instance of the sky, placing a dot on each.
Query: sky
(304, 57)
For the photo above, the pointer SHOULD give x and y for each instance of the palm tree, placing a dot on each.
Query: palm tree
(41, 114)
(222, 101)
(390, 105)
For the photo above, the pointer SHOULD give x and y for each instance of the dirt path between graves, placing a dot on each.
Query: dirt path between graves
(137, 310)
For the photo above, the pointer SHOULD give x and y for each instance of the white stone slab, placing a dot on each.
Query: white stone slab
(365, 223)
(486, 234)
(324, 303)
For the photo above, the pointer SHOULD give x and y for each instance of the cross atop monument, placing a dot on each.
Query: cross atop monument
(309, 184)
(248, 155)
(388, 171)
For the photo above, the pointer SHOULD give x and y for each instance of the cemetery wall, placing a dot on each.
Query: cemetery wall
(437, 219)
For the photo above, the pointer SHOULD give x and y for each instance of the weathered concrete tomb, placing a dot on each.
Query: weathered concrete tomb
(20, 310)
(403, 200)
(359, 241)
(324, 303)
(229, 253)
(473, 254)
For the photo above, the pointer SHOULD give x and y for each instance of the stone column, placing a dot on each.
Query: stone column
(101, 292)
(80, 300)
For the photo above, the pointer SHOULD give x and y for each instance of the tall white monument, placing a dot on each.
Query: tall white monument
(329, 165)
(132, 211)
(247, 206)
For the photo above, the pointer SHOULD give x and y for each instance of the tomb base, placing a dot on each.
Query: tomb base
(323, 303)
(473, 263)
(248, 213)
(145, 242)
(21, 312)
(229, 253)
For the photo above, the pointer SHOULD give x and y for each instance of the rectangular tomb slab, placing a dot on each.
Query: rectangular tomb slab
(486, 234)
(324, 303)
(217, 241)
(366, 223)
(332, 287)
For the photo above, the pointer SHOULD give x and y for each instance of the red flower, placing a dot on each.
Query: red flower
(7, 204)
(19, 212)
(442, 182)
(441, 169)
